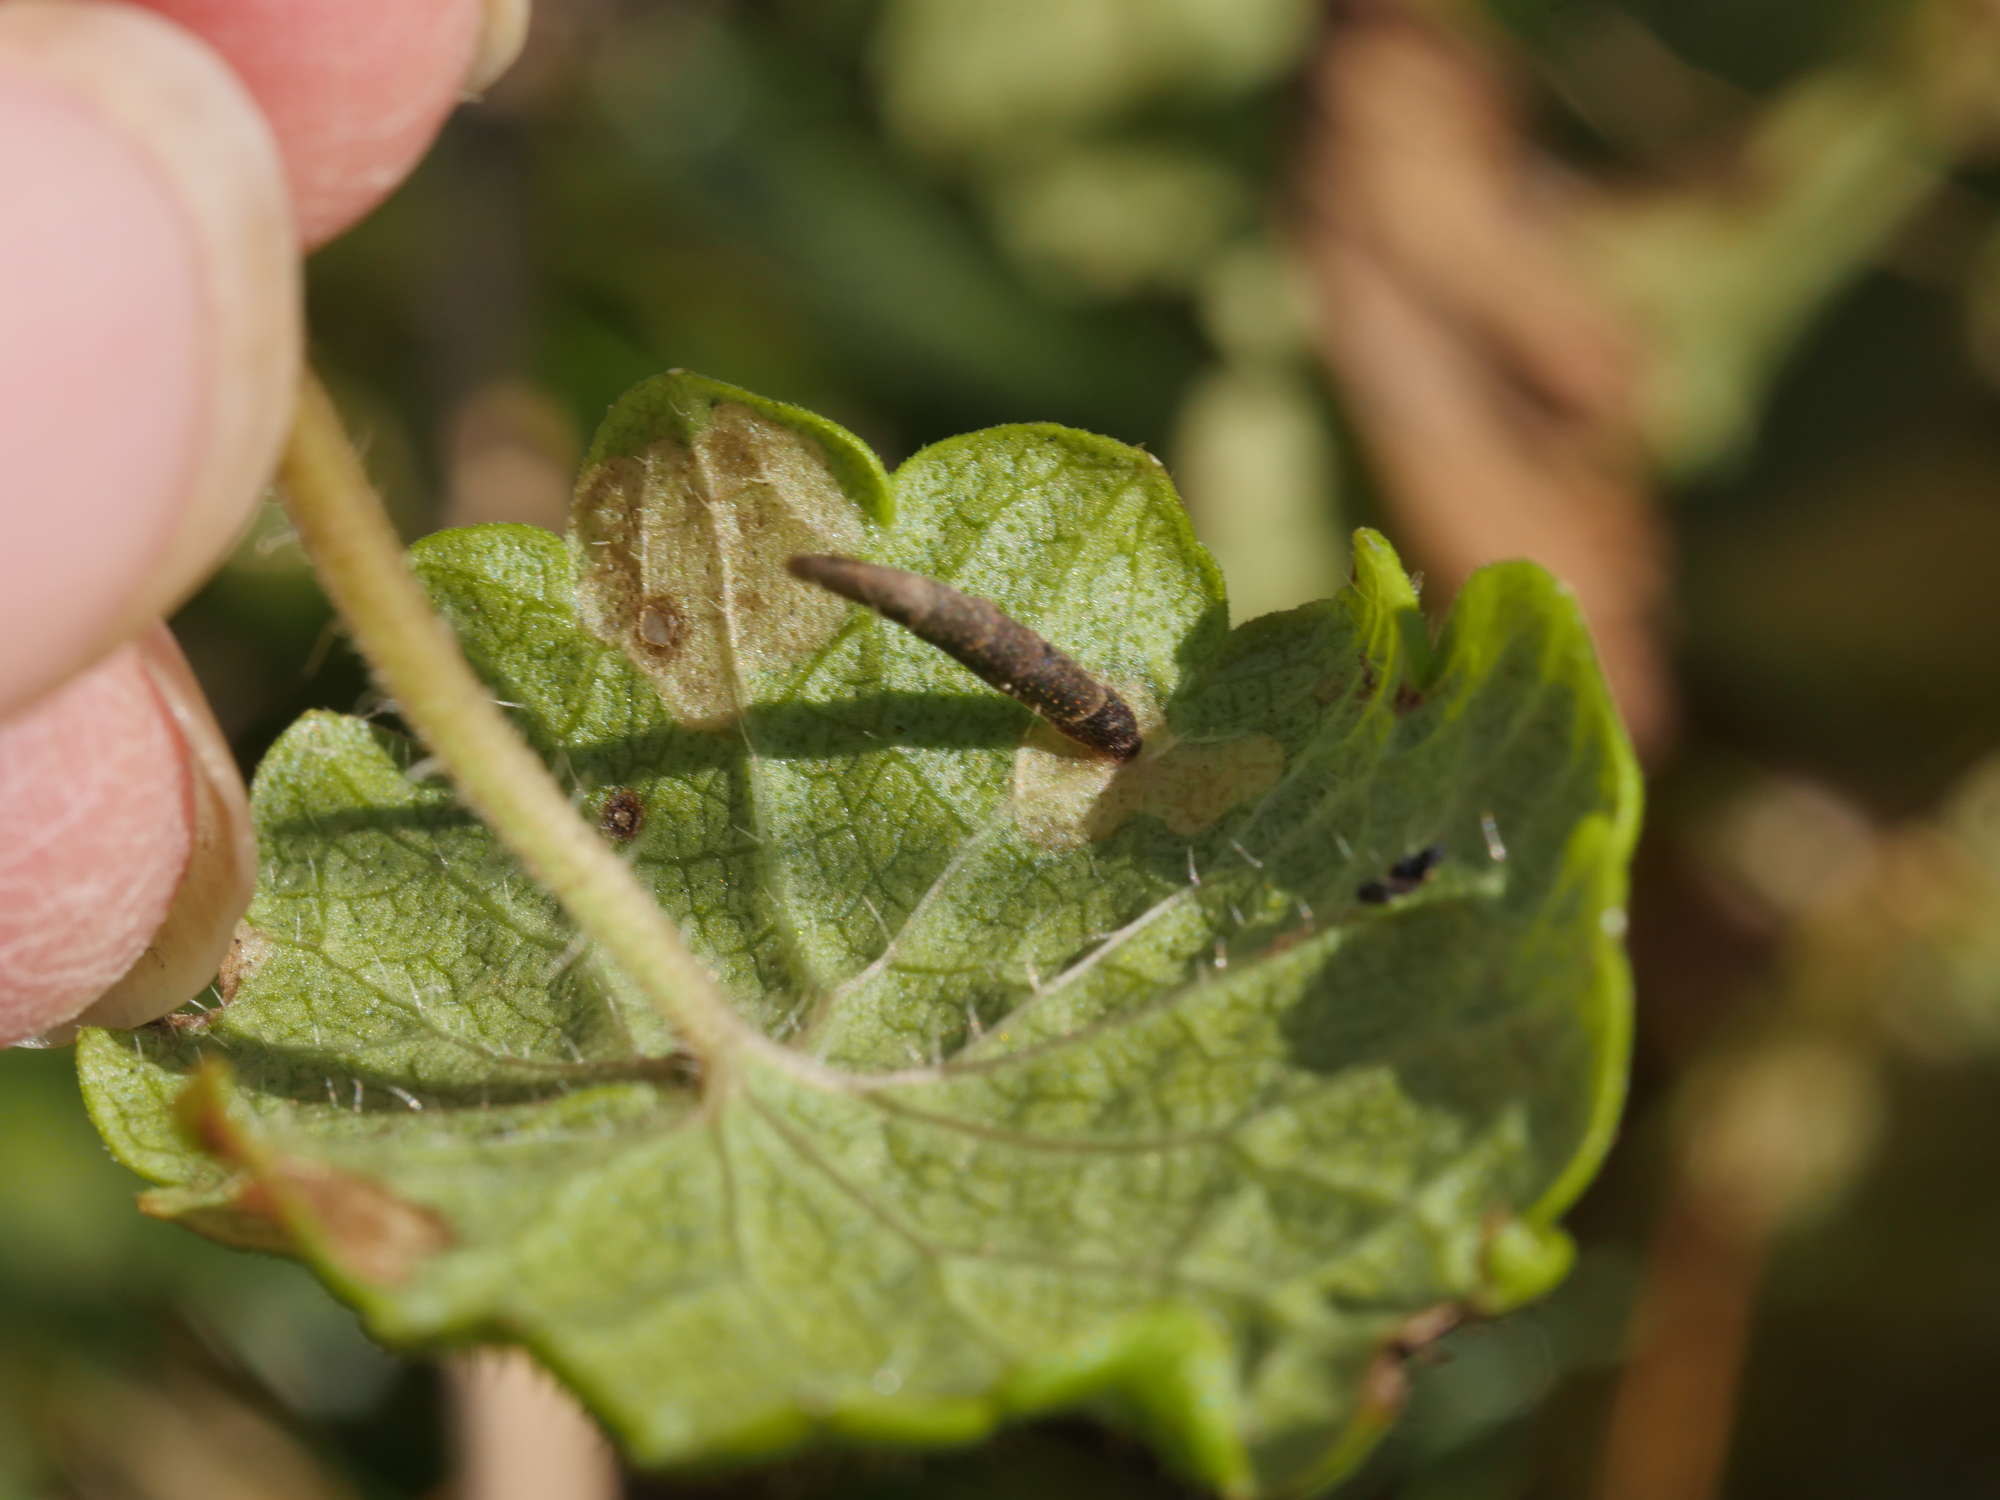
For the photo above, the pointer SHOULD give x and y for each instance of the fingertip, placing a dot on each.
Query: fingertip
(150, 334)
(122, 851)
(220, 870)
(355, 90)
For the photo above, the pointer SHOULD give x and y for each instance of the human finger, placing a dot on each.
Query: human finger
(354, 89)
(125, 847)
(149, 327)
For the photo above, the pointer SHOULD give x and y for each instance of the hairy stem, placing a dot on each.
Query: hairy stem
(360, 563)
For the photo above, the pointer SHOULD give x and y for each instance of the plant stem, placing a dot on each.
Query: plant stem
(359, 561)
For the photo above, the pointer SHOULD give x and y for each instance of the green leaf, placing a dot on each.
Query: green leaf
(1078, 1085)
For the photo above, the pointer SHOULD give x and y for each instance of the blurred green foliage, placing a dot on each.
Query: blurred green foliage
(926, 216)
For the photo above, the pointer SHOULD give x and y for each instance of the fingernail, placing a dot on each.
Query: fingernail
(221, 868)
(150, 332)
(502, 34)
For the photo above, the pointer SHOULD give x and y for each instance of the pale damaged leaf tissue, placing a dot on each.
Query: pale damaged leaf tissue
(1192, 1091)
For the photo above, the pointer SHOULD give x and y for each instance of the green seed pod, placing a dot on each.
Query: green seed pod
(999, 650)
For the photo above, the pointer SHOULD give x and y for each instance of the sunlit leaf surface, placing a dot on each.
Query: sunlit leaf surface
(1152, 1089)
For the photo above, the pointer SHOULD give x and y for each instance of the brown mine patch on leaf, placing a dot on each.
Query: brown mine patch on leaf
(1066, 796)
(1407, 698)
(290, 1203)
(682, 558)
(370, 1232)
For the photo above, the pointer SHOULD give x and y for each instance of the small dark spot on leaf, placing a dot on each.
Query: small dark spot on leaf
(660, 627)
(1404, 876)
(1407, 698)
(1369, 680)
(623, 816)
(1412, 868)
